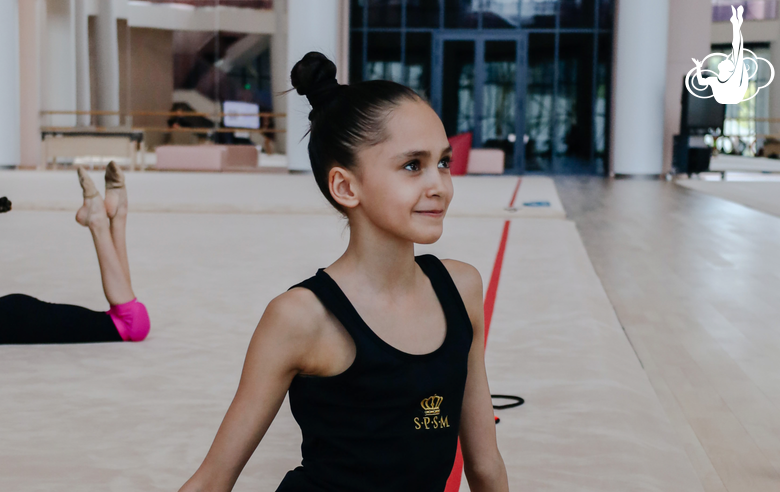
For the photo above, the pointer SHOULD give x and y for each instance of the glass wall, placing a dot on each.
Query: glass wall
(384, 59)
(539, 102)
(602, 103)
(167, 70)
(746, 128)
(573, 140)
(754, 9)
(157, 73)
(458, 95)
(494, 66)
(418, 62)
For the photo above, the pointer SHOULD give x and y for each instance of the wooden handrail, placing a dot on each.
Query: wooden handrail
(161, 113)
(770, 120)
(160, 129)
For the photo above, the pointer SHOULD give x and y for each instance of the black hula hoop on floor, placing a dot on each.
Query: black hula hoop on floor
(516, 401)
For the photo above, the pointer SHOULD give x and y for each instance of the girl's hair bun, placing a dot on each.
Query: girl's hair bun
(314, 76)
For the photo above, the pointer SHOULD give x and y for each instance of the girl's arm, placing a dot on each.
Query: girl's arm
(278, 344)
(483, 464)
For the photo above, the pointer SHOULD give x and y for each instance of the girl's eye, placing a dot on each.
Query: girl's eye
(416, 164)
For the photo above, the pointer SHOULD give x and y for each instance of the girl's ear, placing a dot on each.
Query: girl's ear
(343, 187)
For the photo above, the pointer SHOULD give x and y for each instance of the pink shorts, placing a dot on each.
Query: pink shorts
(131, 320)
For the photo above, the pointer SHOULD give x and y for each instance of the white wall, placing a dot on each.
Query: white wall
(58, 73)
(31, 19)
(107, 63)
(313, 25)
(280, 76)
(81, 50)
(640, 86)
(9, 84)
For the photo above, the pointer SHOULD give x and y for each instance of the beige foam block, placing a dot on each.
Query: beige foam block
(474, 196)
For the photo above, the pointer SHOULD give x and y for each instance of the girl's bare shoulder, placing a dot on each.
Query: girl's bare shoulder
(297, 313)
(313, 339)
(466, 276)
(468, 281)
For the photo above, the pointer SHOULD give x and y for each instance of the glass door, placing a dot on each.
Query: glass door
(476, 87)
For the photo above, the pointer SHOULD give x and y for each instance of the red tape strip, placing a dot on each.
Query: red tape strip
(453, 483)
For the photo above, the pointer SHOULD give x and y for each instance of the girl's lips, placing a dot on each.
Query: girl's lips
(432, 213)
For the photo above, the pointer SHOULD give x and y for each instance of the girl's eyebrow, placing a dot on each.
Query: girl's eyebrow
(421, 153)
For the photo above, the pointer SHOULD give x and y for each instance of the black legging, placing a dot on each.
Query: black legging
(27, 320)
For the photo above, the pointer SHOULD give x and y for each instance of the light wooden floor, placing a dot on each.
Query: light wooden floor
(591, 421)
(758, 195)
(694, 281)
(125, 417)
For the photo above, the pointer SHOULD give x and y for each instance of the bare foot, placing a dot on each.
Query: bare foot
(93, 212)
(116, 193)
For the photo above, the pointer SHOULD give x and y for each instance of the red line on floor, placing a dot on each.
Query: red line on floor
(453, 483)
(514, 195)
(490, 296)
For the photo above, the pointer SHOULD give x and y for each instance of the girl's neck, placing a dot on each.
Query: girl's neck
(378, 262)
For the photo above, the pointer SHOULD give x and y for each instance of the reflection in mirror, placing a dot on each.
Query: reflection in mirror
(384, 13)
(249, 4)
(574, 112)
(418, 62)
(422, 13)
(539, 102)
(601, 109)
(384, 57)
(458, 90)
(577, 13)
(499, 98)
(461, 13)
(538, 13)
(500, 14)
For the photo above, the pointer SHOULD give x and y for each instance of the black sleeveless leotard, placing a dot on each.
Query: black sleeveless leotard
(390, 421)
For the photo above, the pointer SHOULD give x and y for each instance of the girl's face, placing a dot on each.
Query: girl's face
(404, 185)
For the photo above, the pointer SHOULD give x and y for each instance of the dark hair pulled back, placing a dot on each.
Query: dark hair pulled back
(344, 118)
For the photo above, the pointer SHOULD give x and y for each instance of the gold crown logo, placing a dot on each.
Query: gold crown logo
(431, 404)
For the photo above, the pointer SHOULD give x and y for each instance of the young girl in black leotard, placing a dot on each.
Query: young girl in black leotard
(382, 351)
